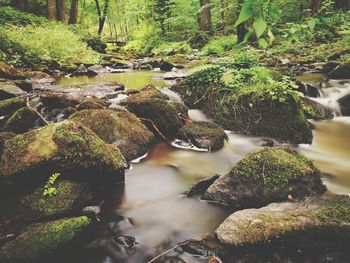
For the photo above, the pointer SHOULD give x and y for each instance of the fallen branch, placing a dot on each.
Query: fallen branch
(154, 127)
(169, 250)
(37, 113)
(7, 236)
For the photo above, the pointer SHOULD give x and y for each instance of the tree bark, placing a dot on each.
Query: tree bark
(61, 11)
(205, 16)
(103, 17)
(73, 17)
(241, 29)
(50, 9)
(314, 5)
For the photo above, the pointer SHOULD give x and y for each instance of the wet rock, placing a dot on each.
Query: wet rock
(329, 66)
(344, 104)
(42, 239)
(316, 111)
(21, 121)
(201, 186)
(9, 90)
(340, 72)
(9, 106)
(59, 147)
(174, 75)
(272, 174)
(166, 66)
(96, 69)
(34, 205)
(146, 67)
(203, 135)
(84, 71)
(319, 214)
(308, 89)
(8, 72)
(156, 109)
(249, 114)
(39, 79)
(118, 127)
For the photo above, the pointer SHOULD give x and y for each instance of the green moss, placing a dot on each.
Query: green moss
(42, 239)
(21, 121)
(274, 167)
(9, 106)
(69, 194)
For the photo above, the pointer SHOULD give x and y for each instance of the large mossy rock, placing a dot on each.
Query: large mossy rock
(118, 127)
(340, 72)
(21, 121)
(318, 215)
(60, 147)
(203, 135)
(152, 105)
(42, 239)
(271, 174)
(316, 111)
(4, 136)
(344, 103)
(250, 113)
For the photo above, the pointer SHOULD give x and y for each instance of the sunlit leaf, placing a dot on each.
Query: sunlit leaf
(260, 27)
(245, 14)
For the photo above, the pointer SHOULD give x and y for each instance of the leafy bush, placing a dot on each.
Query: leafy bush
(43, 45)
(172, 48)
(9, 15)
(219, 45)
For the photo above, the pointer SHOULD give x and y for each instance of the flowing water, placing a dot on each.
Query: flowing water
(150, 205)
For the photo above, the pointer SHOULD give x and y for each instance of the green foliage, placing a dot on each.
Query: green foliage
(172, 48)
(220, 45)
(50, 189)
(9, 15)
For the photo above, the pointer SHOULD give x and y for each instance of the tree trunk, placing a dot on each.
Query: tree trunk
(102, 19)
(314, 6)
(61, 11)
(50, 9)
(205, 16)
(19, 4)
(73, 17)
(241, 29)
(342, 4)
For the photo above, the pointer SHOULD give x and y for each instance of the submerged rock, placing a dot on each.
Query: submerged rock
(272, 174)
(316, 111)
(42, 239)
(344, 104)
(21, 121)
(118, 127)
(316, 215)
(203, 135)
(156, 109)
(340, 72)
(59, 147)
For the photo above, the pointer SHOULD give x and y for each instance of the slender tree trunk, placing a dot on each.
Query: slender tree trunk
(241, 29)
(222, 16)
(50, 9)
(73, 16)
(19, 4)
(314, 5)
(205, 16)
(61, 11)
(103, 18)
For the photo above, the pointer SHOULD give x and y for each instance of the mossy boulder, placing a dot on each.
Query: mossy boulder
(60, 147)
(34, 205)
(251, 113)
(118, 127)
(340, 72)
(21, 121)
(42, 239)
(156, 109)
(9, 106)
(4, 136)
(271, 174)
(344, 103)
(203, 135)
(10, 90)
(316, 111)
(319, 215)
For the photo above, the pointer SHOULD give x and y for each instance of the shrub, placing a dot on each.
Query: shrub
(171, 48)
(9, 15)
(219, 45)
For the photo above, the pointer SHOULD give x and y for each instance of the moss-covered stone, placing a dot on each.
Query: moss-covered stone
(118, 127)
(152, 105)
(272, 174)
(34, 205)
(59, 147)
(4, 136)
(316, 111)
(21, 121)
(42, 239)
(6, 71)
(203, 135)
(322, 215)
(7, 107)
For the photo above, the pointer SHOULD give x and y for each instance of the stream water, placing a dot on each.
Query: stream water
(150, 205)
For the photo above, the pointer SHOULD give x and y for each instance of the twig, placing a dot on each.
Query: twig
(169, 250)
(37, 113)
(7, 236)
(155, 127)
